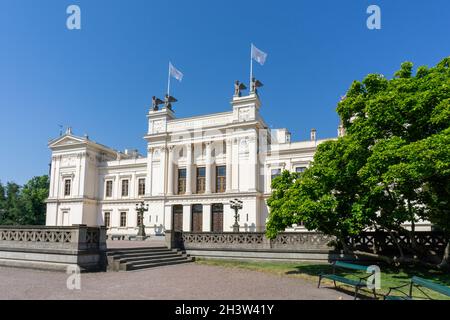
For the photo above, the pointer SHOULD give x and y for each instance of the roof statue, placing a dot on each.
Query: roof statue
(168, 102)
(255, 85)
(238, 87)
(155, 103)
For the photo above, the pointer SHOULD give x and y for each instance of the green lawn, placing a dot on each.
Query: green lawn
(390, 277)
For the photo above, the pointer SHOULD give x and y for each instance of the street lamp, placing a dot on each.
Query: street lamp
(236, 204)
(140, 209)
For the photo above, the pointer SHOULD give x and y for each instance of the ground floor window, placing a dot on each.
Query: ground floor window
(197, 218)
(177, 216)
(123, 219)
(217, 217)
(107, 219)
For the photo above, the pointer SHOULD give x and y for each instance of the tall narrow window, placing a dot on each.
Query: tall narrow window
(107, 219)
(221, 172)
(181, 181)
(141, 187)
(125, 188)
(108, 188)
(201, 180)
(123, 219)
(67, 187)
(275, 173)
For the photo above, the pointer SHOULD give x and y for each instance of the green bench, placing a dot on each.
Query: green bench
(358, 284)
(418, 283)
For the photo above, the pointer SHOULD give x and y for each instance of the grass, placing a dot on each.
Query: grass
(390, 277)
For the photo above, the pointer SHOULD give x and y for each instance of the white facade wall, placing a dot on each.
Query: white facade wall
(239, 140)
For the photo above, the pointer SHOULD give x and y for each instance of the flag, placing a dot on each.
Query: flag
(258, 55)
(174, 72)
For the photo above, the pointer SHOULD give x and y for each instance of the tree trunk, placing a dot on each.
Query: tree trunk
(400, 250)
(445, 263)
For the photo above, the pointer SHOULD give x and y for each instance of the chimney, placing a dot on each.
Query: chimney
(313, 135)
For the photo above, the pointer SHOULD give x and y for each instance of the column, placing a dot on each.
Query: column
(229, 161)
(170, 173)
(149, 178)
(187, 218)
(235, 165)
(189, 169)
(208, 168)
(252, 161)
(206, 223)
(162, 164)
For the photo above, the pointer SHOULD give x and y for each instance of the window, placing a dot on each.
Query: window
(201, 180)
(141, 187)
(221, 172)
(224, 147)
(181, 181)
(123, 219)
(300, 169)
(108, 189)
(275, 173)
(67, 187)
(107, 219)
(124, 188)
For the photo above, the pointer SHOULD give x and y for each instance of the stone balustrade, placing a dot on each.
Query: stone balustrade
(42, 246)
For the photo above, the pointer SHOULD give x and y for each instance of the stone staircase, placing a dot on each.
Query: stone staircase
(127, 259)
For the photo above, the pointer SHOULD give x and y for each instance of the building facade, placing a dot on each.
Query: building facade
(193, 168)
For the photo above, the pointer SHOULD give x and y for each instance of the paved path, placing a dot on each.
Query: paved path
(188, 281)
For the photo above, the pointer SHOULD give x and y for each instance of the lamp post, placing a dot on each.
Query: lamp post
(140, 209)
(236, 204)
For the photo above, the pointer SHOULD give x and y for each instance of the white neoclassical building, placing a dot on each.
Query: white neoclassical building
(193, 168)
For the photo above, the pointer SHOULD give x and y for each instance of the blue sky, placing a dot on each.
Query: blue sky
(100, 79)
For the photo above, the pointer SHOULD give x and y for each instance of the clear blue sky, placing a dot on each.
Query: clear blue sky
(100, 79)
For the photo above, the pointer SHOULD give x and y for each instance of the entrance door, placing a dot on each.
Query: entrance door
(217, 218)
(177, 218)
(197, 218)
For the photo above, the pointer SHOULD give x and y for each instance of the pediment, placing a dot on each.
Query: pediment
(67, 140)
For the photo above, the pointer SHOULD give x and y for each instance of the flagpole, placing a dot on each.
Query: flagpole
(251, 66)
(168, 82)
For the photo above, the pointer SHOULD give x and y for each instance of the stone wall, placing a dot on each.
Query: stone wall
(53, 247)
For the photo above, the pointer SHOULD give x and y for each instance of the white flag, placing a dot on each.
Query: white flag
(258, 55)
(174, 72)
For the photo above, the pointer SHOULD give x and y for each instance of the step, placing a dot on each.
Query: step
(141, 254)
(145, 261)
(128, 265)
(144, 249)
(139, 258)
(158, 264)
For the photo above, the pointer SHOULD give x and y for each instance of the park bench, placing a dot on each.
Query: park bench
(357, 283)
(418, 283)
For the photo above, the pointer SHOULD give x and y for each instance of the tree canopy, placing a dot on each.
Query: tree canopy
(390, 168)
(24, 205)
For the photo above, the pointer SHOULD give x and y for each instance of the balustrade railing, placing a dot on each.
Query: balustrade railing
(77, 237)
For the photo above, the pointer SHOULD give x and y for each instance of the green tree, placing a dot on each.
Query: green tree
(391, 167)
(24, 205)
(34, 193)
(2, 202)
